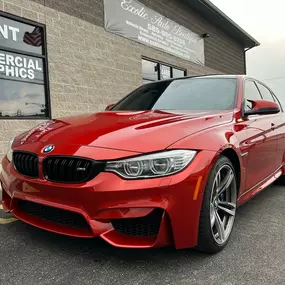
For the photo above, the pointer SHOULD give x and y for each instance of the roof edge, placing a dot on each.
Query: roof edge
(249, 41)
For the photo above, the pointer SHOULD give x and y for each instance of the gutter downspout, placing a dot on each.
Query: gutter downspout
(244, 57)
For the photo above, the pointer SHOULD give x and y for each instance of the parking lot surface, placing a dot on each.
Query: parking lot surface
(254, 255)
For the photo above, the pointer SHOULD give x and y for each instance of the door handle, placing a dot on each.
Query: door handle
(273, 126)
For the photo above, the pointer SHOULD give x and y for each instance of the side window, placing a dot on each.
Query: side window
(251, 93)
(266, 94)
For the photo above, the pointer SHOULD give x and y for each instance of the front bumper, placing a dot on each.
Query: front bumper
(125, 213)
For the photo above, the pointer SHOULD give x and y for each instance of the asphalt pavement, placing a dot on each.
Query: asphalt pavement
(254, 255)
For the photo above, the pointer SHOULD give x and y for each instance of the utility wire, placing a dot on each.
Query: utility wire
(275, 78)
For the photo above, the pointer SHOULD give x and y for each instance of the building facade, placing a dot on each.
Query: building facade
(67, 57)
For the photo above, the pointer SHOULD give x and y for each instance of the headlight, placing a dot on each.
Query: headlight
(152, 165)
(10, 151)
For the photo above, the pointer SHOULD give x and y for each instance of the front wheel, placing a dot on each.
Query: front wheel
(218, 208)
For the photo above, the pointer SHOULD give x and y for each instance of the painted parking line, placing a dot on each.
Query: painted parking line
(8, 220)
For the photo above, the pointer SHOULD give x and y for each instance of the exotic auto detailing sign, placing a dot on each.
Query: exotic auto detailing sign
(133, 20)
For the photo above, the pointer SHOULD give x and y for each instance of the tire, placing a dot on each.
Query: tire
(210, 226)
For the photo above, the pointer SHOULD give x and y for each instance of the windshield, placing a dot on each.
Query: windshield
(183, 94)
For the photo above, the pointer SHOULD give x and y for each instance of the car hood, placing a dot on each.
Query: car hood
(140, 131)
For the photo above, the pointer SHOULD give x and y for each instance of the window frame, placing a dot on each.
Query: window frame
(261, 93)
(248, 80)
(276, 100)
(159, 68)
(255, 81)
(43, 56)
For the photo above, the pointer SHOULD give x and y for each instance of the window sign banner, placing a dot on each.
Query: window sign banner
(21, 67)
(133, 20)
(20, 36)
(165, 72)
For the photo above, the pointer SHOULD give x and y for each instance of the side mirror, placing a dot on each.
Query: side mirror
(109, 107)
(262, 107)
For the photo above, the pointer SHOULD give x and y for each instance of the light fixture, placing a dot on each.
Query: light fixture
(206, 35)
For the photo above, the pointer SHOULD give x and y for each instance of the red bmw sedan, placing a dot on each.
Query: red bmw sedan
(167, 165)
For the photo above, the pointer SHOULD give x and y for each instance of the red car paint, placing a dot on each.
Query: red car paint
(258, 143)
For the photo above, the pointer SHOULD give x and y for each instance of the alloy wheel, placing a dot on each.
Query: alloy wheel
(223, 204)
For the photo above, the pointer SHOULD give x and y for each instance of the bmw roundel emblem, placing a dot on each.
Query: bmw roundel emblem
(48, 148)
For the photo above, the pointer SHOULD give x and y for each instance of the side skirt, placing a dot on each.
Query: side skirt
(250, 193)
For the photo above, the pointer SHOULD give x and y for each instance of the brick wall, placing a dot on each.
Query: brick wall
(88, 67)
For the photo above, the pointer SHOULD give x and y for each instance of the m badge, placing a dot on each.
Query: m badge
(81, 169)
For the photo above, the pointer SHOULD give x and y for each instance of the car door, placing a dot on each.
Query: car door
(262, 140)
(277, 119)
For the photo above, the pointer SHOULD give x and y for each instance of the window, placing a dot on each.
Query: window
(178, 73)
(149, 71)
(23, 69)
(153, 71)
(266, 94)
(251, 93)
(182, 94)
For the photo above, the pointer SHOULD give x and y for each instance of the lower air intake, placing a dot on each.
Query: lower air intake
(147, 226)
(54, 215)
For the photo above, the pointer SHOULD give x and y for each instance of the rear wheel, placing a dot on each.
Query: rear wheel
(218, 208)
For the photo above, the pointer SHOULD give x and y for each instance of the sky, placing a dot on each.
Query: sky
(265, 21)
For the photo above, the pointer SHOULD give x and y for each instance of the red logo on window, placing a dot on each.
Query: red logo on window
(34, 38)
